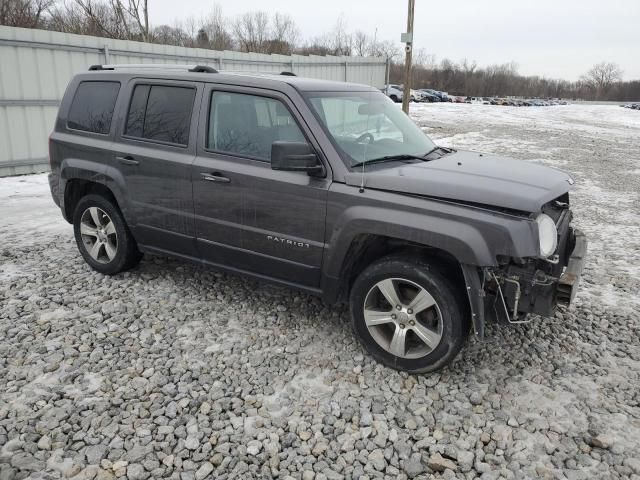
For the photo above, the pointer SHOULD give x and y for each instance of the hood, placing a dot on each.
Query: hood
(471, 177)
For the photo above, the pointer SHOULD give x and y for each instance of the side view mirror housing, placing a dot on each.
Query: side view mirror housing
(294, 157)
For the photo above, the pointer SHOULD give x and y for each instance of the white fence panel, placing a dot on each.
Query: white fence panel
(36, 65)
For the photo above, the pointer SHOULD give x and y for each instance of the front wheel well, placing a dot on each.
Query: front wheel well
(77, 188)
(366, 249)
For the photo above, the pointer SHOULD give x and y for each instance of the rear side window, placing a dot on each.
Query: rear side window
(161, 113)
(92, 106)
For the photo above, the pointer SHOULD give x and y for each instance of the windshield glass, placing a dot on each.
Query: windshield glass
(367, 125)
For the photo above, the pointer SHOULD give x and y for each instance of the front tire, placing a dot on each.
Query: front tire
(102, 236)
(408, 315)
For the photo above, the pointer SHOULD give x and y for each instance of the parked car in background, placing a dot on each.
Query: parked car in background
(442, 97)
(429, 96)
(394, 92)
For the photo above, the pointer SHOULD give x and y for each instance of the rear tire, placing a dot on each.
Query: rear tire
(426, 328)
(102, 236)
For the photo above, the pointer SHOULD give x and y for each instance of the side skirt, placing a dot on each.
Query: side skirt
(227, 268)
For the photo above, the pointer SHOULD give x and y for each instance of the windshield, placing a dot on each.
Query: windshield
(366, 126)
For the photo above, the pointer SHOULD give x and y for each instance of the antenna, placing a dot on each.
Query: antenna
(364, 156)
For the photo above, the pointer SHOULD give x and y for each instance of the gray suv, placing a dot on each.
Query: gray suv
(320, 186)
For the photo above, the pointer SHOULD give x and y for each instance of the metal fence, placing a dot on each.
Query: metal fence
(36, 65)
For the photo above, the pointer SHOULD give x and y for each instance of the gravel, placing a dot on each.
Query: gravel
(173, 371)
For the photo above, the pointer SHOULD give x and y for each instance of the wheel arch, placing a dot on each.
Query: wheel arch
(455, 247)
(82, 177)
(365, 249)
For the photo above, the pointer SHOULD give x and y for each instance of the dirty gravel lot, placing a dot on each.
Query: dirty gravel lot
(173, 371)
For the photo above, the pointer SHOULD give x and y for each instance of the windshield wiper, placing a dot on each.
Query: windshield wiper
(388, 158)
(444, 150)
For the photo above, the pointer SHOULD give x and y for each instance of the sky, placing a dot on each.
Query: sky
(549, 38)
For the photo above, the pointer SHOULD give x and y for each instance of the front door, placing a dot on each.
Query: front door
(155, 150)
(249, 217)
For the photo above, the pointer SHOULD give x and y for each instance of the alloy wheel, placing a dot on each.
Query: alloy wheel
(99, 235)
(403, 318)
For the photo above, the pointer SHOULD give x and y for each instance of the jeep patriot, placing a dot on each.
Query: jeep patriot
(322, 186)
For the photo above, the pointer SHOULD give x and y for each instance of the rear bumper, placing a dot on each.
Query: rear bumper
(568, 282)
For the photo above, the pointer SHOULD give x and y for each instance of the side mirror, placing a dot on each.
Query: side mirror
(294, 157)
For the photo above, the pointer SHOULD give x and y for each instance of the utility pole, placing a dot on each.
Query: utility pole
(407, 38)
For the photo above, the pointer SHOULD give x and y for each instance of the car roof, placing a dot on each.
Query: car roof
(250, 79)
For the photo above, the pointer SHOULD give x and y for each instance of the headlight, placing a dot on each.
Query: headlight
(548, 234)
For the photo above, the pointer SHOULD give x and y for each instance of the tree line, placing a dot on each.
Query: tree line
(277, 33)
(601, 82)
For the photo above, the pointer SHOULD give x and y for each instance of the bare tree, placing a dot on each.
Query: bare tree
(139, 11)
(602, 76)
(468, 67)
(340, 39)
(386, 49)
(215, 26)
(424, 59)
(252, 31)
(362, 44)
(284, 34)
(24, 13)
(117, 18)
(167, 35)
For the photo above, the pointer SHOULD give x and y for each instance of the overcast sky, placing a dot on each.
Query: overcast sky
(551, 38)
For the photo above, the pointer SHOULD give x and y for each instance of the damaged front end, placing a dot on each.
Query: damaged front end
(518, 287)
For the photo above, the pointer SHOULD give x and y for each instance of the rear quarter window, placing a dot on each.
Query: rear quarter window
(92, 107)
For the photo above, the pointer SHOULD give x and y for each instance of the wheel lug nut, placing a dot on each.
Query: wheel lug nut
(409, 311)
(393, 316)
(402, 325)
(412, 323)
(398, 307)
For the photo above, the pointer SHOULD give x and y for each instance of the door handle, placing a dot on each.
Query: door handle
(128, 160)
(214, 177)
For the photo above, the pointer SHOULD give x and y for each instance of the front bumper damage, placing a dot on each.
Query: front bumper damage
(568, 283)
(512, 291)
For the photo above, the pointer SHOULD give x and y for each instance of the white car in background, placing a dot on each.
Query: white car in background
(396, 93)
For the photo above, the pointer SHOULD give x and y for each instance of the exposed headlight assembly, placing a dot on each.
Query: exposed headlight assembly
(548, 234)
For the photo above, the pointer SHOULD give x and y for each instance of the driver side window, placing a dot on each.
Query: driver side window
(247, 125)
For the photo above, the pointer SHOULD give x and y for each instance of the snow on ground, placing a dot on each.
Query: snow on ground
(599, 146)
(174, 370)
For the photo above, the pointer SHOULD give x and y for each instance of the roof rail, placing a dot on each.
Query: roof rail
(158, 66)
(203, 69)
(288, 74)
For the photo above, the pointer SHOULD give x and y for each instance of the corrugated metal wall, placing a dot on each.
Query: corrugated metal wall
(36, 65)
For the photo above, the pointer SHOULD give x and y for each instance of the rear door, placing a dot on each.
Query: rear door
(248, 216)
(155, 149)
